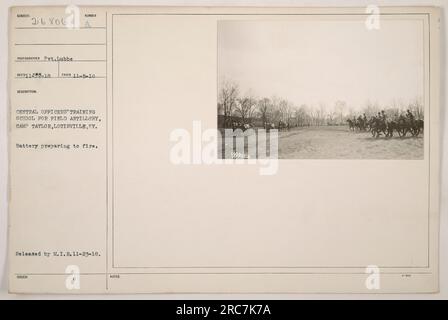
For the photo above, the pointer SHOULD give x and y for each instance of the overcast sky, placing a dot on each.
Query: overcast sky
(312, 62)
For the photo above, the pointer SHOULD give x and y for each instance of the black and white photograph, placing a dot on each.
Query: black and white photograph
(333, 89)
(221, 150)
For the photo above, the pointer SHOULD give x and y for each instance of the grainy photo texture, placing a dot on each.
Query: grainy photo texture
(331, 89)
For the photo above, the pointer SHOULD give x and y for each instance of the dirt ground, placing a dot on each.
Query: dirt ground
(338, 142)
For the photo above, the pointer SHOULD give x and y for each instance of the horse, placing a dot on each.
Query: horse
(282, 125)
(377, 127)
(391, 126)
(406, 125)
(351, 124)
(417, 127)
(403, 125)
(361, 124)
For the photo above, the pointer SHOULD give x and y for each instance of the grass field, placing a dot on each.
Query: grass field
(338, 142)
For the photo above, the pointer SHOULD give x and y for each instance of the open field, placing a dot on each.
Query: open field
(338, 142)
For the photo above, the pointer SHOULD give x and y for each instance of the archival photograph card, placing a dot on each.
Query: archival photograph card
(223, 150)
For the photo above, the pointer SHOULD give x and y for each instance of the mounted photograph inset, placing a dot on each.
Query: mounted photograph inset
(332, 89)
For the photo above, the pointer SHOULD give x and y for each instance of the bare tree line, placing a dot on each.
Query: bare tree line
(266, 110)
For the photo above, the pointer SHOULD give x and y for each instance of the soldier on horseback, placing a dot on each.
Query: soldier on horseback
(410, 116)
(379, 118)
(415, 126)
(359, 123)
(383, 116)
